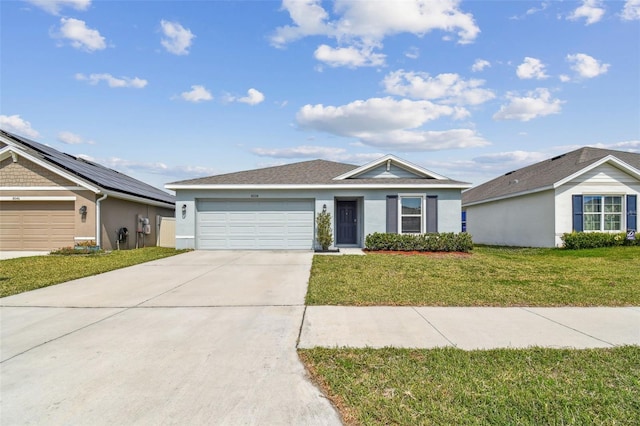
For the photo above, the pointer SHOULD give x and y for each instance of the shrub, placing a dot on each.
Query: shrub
(325, 237)
(584, 240)
(446, 241)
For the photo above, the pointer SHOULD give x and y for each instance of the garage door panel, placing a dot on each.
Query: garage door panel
(253, 224)
(36, 225)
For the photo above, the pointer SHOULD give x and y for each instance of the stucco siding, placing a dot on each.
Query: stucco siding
(371, 207)
(117, 213)
(526, 221)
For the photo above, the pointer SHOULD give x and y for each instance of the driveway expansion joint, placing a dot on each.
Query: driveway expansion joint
(434, 327)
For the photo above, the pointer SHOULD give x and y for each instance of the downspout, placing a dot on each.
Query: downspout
(99, 220)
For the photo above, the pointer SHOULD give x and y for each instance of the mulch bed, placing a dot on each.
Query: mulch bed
(421, 253)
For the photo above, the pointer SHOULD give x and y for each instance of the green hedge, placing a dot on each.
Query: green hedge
(447, 241)
(584, 240)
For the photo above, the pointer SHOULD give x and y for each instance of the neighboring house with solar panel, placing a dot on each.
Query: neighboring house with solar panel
(50, 200)
(586, 190)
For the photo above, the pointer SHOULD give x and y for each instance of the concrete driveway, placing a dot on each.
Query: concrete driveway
(199, 338)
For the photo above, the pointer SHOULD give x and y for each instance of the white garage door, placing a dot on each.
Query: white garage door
(255, 224)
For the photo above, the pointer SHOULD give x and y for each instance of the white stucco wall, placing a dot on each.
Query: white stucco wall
(526, 221)
(372, 207)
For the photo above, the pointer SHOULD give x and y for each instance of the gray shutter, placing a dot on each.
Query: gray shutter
(392, 214)
(432, 213)
(632, 212)
(577, 213)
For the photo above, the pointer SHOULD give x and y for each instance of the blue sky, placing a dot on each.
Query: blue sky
(171, 90)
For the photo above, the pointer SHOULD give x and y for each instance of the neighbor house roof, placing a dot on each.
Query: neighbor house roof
(96, 176)
(319, 173)
(549, 174)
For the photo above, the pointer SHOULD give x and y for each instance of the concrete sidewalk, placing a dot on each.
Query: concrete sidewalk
(469, 328)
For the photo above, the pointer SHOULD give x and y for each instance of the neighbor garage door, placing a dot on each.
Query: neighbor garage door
(255, 224)
(36, 225)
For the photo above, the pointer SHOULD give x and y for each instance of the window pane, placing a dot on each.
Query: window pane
(592, 204)
(592, 222)
(612, 204)
(612, 222)
(411, 225)
(411, 205)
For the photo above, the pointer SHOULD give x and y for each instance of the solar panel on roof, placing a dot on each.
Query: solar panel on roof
(96, 173)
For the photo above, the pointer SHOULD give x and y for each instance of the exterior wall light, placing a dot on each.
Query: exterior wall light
(83, 210)
(324, 208)
(184, 210)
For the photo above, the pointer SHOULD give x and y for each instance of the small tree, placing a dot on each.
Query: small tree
(325, 236)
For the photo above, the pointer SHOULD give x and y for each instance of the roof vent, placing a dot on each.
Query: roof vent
(557, 156)
(508, 173)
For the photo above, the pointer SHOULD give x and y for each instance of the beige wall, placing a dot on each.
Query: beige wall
(117, 213)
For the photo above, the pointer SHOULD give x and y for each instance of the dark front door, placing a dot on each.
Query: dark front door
(347, 222)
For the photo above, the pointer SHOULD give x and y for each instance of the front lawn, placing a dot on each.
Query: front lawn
(449, 386)
(490, 276)
(29, 273)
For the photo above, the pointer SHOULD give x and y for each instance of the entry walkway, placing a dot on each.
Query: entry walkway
(469, 328)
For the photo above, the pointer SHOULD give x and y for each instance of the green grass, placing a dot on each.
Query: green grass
(490, 276)
(29, 273)
(449, 386)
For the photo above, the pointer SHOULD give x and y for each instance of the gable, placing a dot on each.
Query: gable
(388, 172)
(605, 174)
(25, 173)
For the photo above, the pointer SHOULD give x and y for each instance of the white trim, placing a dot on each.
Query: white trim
(608, 159)
(420, 171)
(182, 237)
(12, 148)
(504, 197)
(36, 198)
(428, 184)
(84, 238)
(42, 188)
(423, 208)
(99, 220)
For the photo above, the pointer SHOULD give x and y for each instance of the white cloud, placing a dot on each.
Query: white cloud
(360, 27)
(80, 36)
(535, 104)
(351, 57)
(135, 82)
(158, 168)
(54, 6)
(516, 158)
(564, 78)
(531, 68)
(480, 65)
(630, 146)
(178, 39)
(412, 53)
(388, 123)
(447, 88)
(197, 94)
(631, 10)
(254, 97)
(315, 152)
(69, 138)
(591, 10)
(16, 124)
(587, 66)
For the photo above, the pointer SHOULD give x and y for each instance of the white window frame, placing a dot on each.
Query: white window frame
(602, 212)
(423, 206)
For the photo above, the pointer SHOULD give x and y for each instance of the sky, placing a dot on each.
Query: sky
(171, 90)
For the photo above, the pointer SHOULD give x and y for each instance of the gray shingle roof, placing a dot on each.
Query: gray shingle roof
(314, 172)
(91, 172)
(544, 174)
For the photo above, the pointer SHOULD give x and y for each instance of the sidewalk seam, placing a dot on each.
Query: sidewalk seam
(566, 326)
(434, 327)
